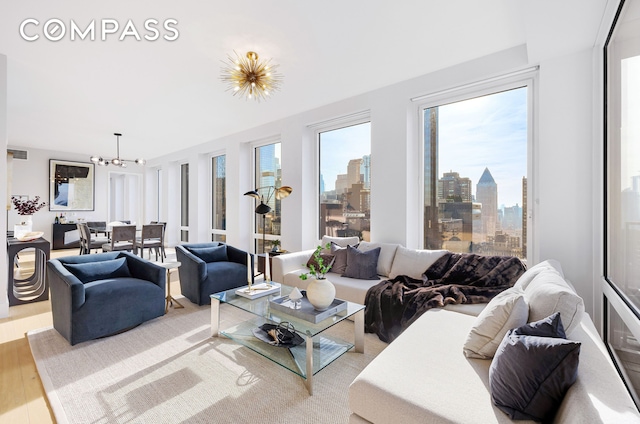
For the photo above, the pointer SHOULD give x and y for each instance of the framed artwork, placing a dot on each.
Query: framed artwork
(71, 186)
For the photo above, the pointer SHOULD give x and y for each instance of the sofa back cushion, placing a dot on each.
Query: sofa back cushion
(526, 278)
(387, 255)
(99, 270)
(339, 241)
(412, 262)
(548, 293)
(505, 311)
(211, 254)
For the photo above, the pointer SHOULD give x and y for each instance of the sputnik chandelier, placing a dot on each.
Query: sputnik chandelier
(117, 161)
(251, 77)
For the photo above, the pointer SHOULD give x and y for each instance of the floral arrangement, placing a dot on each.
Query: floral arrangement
(319, 265)
(27, 207)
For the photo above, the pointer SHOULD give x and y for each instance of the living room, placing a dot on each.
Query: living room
(558, 49)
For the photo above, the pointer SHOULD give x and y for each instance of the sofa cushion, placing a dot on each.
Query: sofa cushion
(532, 370)
(340, 241)
(327, 260)
(548, 293)
(340, 258)
(99, 270)
(362, 265)
(505, 311)
(531, 273)
(412, 262)
(211, 254)
(387, 254)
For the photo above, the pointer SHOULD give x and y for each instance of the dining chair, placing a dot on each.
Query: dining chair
(164, 230)
(123, 237)
(88, 241)
(152, 237)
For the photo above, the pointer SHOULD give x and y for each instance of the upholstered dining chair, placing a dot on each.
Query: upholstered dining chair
(88, 241)
(123, 237)
(164, 230)
(152, 237)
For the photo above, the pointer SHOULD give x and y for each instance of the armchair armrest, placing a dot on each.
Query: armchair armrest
(191, 264)
(284, 264)
(145, 270)
(65, 286)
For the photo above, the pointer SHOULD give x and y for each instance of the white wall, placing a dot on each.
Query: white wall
(31, 177)
(4, 300)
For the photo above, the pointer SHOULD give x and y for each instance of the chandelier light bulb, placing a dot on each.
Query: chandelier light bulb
(117, 161)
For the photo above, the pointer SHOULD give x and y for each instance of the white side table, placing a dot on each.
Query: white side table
(170, 266)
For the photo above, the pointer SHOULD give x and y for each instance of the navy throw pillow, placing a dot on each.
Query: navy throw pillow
(362, 265)
(211, 254)
(100, 270)
(532, 370)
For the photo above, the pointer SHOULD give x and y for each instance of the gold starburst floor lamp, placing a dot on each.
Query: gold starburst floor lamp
(251, 77)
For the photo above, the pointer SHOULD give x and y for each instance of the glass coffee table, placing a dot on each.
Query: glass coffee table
(307, 359)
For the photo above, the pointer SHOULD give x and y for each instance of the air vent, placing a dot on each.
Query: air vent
(18, 154)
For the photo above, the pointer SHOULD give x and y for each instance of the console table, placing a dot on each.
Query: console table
(65, 236)
(33, 288)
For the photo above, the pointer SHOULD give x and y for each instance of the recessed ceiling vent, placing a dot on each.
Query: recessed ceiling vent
(18, 154)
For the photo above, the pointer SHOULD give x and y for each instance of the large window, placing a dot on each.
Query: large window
(345, 181)
(267, 177)
(184, 202)
(622, 241)
(475, 169)
(218, 198)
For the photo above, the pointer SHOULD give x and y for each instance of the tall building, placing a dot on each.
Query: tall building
(353, 172)
(342, 184)
(366, 168)
(524, 218)
(455, 188)
(487, 194)
(431, 227)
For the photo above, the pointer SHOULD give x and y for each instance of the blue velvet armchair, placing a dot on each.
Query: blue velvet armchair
(209, 268)
(102, 294)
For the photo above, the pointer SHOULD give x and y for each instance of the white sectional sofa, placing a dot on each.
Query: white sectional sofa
(424, 377)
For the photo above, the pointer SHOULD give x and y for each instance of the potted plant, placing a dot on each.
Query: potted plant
(320, 291)
(26, 208)
(275, 245)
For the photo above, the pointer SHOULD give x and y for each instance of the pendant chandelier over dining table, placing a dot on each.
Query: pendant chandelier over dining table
(117, 161)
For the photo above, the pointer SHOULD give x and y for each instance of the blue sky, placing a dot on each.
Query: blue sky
(488, 131)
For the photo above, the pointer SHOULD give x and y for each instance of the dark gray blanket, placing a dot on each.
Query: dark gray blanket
(392, 305)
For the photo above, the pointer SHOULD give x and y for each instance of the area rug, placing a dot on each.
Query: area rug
(169, 370)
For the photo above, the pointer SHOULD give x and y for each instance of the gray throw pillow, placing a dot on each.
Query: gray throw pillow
(340, 258)
(211, 254)
(532, 370)
(362, 265)
(99, 270)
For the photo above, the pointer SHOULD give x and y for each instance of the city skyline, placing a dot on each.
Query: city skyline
(486, 132)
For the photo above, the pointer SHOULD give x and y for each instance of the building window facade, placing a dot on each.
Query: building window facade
(622, 194)
(218, 198)
(474, 173)
(345, 181)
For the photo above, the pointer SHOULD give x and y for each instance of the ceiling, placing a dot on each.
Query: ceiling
(164, 96)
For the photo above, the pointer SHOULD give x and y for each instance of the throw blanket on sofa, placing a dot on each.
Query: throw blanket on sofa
(392, 305)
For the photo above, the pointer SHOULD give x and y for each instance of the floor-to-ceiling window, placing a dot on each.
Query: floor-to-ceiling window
(218, 198)
(184, 202)
(622, 217)
(345, 181)
(475, 172)
(267, 178)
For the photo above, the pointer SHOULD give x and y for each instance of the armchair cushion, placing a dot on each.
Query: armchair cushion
(211, 254)
(92, 271)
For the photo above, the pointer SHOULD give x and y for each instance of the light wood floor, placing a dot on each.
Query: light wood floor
(22, 397)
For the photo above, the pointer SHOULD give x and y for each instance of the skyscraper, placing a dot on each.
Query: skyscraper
(454, 188)
(487, 194)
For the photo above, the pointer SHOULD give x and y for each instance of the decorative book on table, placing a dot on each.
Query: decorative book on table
(258, 290)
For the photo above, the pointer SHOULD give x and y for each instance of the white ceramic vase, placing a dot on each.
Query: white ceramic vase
(321, 293)
(25, 226)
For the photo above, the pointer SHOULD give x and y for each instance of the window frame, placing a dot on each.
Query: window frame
(184, 228)
(523, 78)
(216, 232)
(345, 121)
(255, 235)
